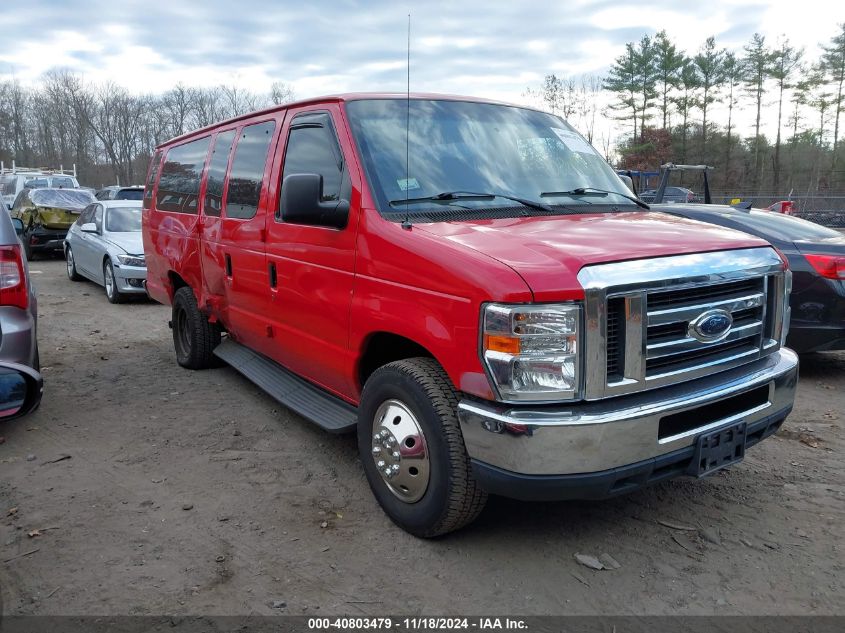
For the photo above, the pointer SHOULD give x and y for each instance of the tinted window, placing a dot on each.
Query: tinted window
(7, 185)
(86, 216)
(35, 183)
(312, 149)
(98, 217)
(130, 194)
(123, 219)
(63, 182)
(217, 172)
(179, 185)
(247, 174)
(151, 178)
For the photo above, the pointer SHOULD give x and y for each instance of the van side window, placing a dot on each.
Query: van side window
(247, 174)
(155, 163)
(312, 149)
(217, 172)
(179, 186)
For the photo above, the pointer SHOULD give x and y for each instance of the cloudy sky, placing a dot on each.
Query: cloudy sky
(484, 48)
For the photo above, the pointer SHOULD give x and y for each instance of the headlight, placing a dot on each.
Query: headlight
(531, 352)
(132, 260)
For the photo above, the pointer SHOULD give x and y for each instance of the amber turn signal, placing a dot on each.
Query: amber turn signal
(506, 344)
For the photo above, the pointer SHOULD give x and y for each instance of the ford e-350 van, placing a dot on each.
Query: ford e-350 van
(471, 288)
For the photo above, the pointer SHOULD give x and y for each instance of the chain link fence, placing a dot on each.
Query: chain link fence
(825, 210)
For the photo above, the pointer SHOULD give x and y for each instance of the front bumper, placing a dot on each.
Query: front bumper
(130, 279)
(641, 432)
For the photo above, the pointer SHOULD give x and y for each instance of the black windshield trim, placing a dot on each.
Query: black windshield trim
(457, 213)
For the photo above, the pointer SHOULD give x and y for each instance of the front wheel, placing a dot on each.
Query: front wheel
(194, 338)
(412, 449)
(70, 263)
(110, 284)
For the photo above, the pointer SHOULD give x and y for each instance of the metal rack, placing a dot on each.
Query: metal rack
(49, 171)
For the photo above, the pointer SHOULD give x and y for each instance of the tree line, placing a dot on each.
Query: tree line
(667, 99)
(106, 131)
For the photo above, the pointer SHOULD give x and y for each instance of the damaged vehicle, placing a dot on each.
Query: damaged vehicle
(46, 215)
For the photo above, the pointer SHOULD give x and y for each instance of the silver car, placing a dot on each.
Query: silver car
(105, 246)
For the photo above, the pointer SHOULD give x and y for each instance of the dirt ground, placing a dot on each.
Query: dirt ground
(195, 493)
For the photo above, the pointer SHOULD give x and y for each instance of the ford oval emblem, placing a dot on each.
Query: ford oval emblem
(711, 326)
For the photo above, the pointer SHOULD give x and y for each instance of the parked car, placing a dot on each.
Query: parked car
(46, 215)
(673, 194)
(816, 257)
(116, 192)
(496, 315)
(13, 181)
(105, 246)
(18, 303)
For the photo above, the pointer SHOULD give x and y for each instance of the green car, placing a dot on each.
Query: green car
(47, 215)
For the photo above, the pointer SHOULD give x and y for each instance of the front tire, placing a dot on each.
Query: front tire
(412, 449)
(110, 284)
(194, 338)
(70, 262)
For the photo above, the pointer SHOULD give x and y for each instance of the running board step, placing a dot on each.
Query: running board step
(325, 410)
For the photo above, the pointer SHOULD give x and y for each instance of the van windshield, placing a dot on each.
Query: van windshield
(459, 146)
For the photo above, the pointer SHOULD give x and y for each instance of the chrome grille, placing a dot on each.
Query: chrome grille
(638, 314)
(669, 346)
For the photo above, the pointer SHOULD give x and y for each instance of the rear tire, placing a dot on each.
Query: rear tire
(72, 273)
(194, 338)
(420, 395)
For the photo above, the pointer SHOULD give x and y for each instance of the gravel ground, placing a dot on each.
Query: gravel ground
(194, 493)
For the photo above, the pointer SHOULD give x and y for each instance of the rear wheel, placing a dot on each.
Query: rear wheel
(70, 263)
(412, 449)
(194, 338)
(110, 284)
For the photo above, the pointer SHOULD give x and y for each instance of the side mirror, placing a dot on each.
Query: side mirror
(18, 224)
(301, 203)
(88, 227)
(628, 182)
(20, 390)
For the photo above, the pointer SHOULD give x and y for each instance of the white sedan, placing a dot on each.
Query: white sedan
(105, 246)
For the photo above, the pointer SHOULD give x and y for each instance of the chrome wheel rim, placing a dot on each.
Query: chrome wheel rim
(400, 451)
(69, 262)
(109, 279)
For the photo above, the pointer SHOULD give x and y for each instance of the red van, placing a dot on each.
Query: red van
(471, 288)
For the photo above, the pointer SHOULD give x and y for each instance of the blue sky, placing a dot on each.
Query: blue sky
(489, 49)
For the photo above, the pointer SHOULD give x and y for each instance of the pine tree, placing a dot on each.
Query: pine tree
(685, 101)
(711, 73)
(623, 80)
(668, 64)
(785, 60)
(833, 63)
(646, 59)
(758, 64)
(733, 79)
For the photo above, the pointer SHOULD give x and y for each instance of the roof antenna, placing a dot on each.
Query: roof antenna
(406, 224)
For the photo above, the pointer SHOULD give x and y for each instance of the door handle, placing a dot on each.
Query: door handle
(273, 276)
(228, 265)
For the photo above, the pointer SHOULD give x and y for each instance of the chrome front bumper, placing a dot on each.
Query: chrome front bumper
(589, 437)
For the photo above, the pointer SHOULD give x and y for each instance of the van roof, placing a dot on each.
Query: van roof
(338, 98)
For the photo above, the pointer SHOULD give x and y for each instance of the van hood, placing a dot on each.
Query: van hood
(131, 242)
(548, 252)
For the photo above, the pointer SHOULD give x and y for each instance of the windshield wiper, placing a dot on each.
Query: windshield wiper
(592, 191)
(451, 196)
